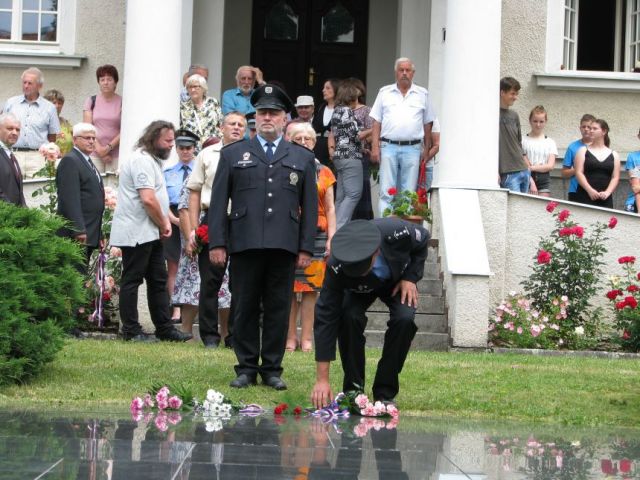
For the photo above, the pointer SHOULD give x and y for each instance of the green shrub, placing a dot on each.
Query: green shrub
(40, 290)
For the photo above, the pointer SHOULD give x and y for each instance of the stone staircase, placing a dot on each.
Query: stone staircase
(431, 316)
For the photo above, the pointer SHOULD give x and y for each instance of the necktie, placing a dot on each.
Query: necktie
(93, 167)
(16, 167)
(270, 151)
(185, 172)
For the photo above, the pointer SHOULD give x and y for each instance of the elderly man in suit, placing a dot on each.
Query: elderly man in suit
(271, 229)
(10, 173)
(80, 191)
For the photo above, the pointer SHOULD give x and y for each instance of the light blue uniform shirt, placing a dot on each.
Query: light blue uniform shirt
(174, 177)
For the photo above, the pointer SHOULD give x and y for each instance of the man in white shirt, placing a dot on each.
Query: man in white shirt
(403, 116)
(140, 222)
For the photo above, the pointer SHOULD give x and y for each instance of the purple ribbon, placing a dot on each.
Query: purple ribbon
(98, 314)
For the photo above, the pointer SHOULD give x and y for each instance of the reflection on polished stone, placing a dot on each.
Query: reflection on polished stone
(115, 446)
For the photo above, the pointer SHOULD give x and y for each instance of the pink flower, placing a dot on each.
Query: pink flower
(115, 252)
(161, 422)
(174, 418)
(613, 221)
(392, 410)
(544, 257)
(162, 395)
(578, 231)
(551, 206)
(360, 430)
(163, 404)
(519, 330)
(535, 330)
(368, 411)
(148, 400)
(136, 405)
(565, 231)
(175, 402)
(362, 400)
(563, 215)
(379, 408)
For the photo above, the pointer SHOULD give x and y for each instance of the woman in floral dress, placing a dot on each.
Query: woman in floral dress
(200, 114)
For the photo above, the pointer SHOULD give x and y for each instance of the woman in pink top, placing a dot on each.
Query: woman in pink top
(104, 111)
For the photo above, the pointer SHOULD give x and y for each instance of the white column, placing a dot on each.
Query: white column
(152, 77)
(208, 41)
(470, 96)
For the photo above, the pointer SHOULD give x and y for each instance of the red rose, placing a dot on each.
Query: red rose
(551, 206)
(202, 232)
(544, 257)
(629, 259)
(630, 301)
(392, 191)
(633, 288)
(613, 294)
(106, 297)
(613, 221)
(565, 231)
(297, 410)
(278, 410)
(563, 215)
(626, 335)
(422, 195)
(621, 305)
(578, 231)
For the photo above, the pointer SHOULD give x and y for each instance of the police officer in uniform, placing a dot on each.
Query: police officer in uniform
(269, 231)
(381, 258)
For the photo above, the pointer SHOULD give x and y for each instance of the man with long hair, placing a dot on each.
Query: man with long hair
(140, 222)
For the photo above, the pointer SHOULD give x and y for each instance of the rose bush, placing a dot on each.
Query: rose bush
(624, 296)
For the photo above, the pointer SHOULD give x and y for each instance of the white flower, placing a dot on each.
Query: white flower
(579, 330)
(213, 425)
(214, 396)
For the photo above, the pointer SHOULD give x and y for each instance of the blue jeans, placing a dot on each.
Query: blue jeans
(516, 181)
(399, 168)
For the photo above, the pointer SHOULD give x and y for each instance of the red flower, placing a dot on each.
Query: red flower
(297, 410)
(544, 257)
(565, 231)
(563, 215)
(202, 232)
(608, 467)
(629, 259)
(422, 195)
(625, 465)
(626, 335)
(633, 288)
(613, 294)
(551, 206)
(392, 191)
(621, 305)
(578, 231)
(631, 301)
(106, 297)
(280, 409)
(613, 221)
(638, 276)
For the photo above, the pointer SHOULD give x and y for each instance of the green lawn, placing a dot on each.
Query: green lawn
(93, 374)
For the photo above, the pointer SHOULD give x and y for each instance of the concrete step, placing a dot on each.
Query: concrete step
(430, 287)
(436, 342)
(426, 323)
(431, 272)
(429, 304)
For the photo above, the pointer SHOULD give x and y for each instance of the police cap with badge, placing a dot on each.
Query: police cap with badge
(272, 97)
(185, 138)
(354, 245)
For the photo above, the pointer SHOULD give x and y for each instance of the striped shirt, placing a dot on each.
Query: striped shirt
(38, 119)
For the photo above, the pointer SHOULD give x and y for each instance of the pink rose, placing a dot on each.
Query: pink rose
(362, 400)
(136, 405)
(175, 402)
(544, 257)
(613, 221)
(551, 206)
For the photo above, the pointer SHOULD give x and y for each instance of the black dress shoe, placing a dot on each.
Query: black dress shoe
(210, 342)
(140, 337)
(274, 382)
(174, 335)
(242, 381)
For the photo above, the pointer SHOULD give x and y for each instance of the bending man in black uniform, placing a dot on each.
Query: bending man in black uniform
(271, 229)
(382, 258)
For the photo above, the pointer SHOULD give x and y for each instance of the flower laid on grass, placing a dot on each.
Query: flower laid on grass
(625, 296)
(358, 403)
(408, 203)
(568, 262)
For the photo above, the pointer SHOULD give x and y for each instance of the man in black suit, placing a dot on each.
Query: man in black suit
(10, 174)
(81, 192)
(381, 258)
(271, 228)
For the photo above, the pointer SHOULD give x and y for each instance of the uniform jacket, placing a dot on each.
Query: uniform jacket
(404, 247)
(10, 184)
(273, 205)
(80, 197)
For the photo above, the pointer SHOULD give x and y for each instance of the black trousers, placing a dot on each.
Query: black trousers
(144, 262)
(261, 276)
(210, 282)
(401, 328)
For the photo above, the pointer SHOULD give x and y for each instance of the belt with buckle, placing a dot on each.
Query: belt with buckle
(401, 142)
(23, 149)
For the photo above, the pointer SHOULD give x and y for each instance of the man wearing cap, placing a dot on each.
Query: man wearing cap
(305, 108)
(211, 277)
(270, 230)
(174, 177)
(381, 258)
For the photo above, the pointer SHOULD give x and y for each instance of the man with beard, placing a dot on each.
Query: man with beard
(239, 99)
(211, 277)
(140, 222)
(270, 230)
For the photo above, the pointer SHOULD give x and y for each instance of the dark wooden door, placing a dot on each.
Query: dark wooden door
(301, 43)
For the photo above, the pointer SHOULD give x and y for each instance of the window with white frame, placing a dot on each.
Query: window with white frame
(29, 21)
(601, 35)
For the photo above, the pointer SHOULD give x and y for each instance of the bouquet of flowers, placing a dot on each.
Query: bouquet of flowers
(202, 238)
(407, 203)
